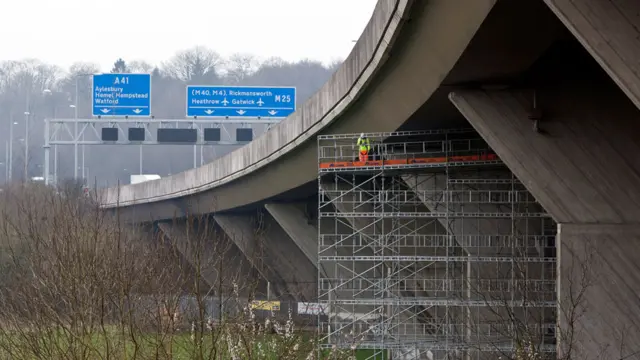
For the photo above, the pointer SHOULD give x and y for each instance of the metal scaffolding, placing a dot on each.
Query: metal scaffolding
(431, 249)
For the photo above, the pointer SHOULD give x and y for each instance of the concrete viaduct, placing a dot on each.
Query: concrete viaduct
(552, 86)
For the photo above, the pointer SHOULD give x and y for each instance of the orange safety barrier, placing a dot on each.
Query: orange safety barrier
(432, 160)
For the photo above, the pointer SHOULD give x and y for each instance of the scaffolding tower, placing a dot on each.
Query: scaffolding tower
(431, 249)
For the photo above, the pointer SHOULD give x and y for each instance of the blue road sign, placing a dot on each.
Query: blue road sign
(121, 95)
(240, 101)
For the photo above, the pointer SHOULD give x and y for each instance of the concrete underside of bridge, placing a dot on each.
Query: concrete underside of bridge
(552, 86)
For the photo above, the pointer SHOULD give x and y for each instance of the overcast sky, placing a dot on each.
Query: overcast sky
(65, 31)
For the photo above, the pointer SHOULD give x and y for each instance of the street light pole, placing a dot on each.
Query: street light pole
(26, 146)
(47, 150)
(11, 123)
(50, 97)
(55, 160)
(26, 140)
(6, 161)
(75, 146)
(83, 172)
(75, 135)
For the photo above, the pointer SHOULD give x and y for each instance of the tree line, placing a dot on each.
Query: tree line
(32, 90)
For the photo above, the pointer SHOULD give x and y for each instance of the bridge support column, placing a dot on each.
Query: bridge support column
(302, 230)
(596, 267)
(479, 187)
(298, 226)
(583, 167)
(278, 259)
(212, 257)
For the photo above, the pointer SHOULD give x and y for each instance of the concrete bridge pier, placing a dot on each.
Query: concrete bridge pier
(210, 255)
(300, 227)
(274, 253)
(584, 169)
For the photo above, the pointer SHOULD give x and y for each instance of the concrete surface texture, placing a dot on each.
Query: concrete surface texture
(273, 253)
(431, 187)
(583, 167)
(597, 266)
(299, 227)
(609, 30)
(210, 254)
(571, 170)
(418, 67)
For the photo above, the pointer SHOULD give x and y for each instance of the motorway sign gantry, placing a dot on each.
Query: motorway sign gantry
(240, 101)
(121, 95)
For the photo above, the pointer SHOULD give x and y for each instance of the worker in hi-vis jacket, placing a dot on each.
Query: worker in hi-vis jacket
(364, 146)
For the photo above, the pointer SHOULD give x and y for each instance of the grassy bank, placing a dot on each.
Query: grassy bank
(114, 343)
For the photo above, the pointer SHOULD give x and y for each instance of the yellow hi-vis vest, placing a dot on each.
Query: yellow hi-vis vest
(363, 144)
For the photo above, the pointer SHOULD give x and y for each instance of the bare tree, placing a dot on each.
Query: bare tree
(23, 82)
(22, 158)
(80, 283)
(528, 324)
(78, 72)
(141, 67)
(239, 67)
(334, 64)
(73, 272)
(34, 76)
(274, 61)
(579, 268)
(198, 64)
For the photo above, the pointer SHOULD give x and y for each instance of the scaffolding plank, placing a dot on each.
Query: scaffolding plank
(386, 258)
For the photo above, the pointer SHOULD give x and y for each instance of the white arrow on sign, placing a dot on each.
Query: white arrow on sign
(105, 110)
(137, 111)
(260, 102)
(208, 111)
(225, 102)
(241, 112)
(272, 112)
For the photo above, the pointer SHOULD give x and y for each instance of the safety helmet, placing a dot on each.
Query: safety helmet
(361, 135)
